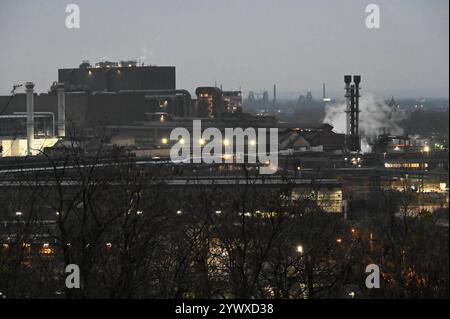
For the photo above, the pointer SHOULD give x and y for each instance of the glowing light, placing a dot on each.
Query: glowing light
(46, 249)
(201, 141)
(226, 142)
(352, 294)
(227, 156)
(300, 249)
(179, 212)
(18, 213)
(426, 148)
(338, 240)
(218, 212)
(139, 212)
(181, 141)
(252, 142)
(164, 140)
(109, 245)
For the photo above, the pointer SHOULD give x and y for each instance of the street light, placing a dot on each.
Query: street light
(300, 249)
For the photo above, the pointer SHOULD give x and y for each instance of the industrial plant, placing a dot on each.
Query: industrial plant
(97, 122)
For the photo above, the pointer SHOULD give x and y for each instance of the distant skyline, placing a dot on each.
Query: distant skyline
(237, 43)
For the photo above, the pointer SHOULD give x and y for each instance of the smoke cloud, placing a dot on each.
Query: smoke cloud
(375, 117)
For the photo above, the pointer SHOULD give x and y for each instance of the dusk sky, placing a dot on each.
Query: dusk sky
(239, 43)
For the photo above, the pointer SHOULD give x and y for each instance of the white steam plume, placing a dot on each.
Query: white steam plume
(375, 117)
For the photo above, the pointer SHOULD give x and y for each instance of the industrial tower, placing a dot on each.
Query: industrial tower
(352, 110)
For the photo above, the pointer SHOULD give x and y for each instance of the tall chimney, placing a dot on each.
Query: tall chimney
(274, 94)
(61, 109)
(352, 110)
(29, 89)
(347, 80)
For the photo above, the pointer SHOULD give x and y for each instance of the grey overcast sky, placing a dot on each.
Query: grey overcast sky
(252, 44)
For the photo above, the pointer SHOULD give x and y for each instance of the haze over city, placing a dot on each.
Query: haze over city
(237, 44)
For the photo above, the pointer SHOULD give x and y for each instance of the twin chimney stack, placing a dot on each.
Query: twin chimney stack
(352, 98)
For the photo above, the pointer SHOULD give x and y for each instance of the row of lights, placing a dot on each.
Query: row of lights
(338, 241)
(201, 141)
(90, 72)
(179, 212)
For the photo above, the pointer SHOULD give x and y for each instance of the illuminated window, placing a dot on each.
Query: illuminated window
(46, 249)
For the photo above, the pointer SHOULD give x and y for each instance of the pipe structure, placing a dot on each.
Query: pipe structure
(61, 109)
(29, 89)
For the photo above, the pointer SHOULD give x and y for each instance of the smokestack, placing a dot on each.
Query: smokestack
(274, 93)
(29, 89)
(61, 109)
(352, 110)
(357, 81)
(347, 80)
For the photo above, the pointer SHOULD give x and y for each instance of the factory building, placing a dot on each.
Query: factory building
(210, 102)
(136, 106)
(116, 76)
(27, 131)
(313, 139)
(233, 101)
